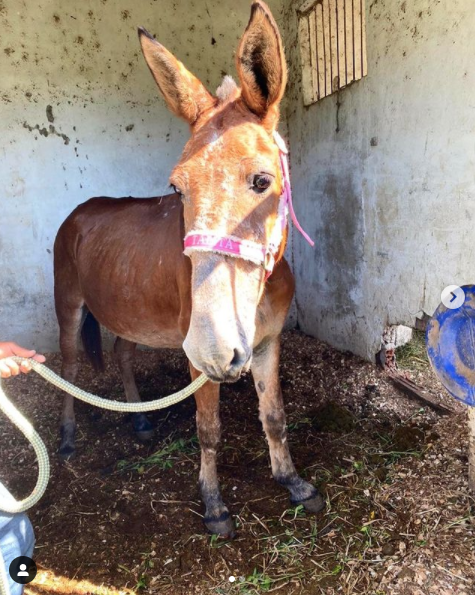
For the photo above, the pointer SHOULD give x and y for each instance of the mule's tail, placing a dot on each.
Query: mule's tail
(92, 342)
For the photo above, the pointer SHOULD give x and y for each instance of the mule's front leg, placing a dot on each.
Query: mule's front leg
(217, 518)
(265, 370)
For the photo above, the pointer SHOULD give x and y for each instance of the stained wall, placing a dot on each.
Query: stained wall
(384, 175)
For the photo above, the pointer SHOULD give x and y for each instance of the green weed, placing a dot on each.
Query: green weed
(163, 458)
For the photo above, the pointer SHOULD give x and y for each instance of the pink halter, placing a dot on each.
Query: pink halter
(209, 241)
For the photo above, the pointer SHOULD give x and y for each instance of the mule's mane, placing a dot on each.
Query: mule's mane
(227, 90)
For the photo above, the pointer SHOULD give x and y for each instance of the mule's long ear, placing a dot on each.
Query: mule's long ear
(261, 63)
(185, 95)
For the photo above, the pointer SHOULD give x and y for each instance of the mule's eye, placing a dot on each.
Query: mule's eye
(261, 182)
(176, 190)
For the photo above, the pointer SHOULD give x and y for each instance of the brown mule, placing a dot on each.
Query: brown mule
(121, 261)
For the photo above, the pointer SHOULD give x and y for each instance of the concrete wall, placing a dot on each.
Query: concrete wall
(390, 196)
(80, 116)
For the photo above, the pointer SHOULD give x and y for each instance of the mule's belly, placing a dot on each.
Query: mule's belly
(151, 331)
(157, 339)
(154, 325)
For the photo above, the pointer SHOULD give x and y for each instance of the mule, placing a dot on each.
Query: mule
(121, 261)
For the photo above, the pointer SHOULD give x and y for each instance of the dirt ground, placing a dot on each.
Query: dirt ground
(126, 517)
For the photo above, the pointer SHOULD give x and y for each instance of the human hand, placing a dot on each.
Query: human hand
(8, 367)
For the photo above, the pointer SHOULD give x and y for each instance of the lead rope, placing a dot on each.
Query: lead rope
(4, 588)
(13, 506)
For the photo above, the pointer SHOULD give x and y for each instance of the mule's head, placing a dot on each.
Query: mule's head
(230, 181)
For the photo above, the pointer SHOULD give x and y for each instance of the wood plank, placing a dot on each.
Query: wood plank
(334, 46)
(312, 26)
(327, 46)
(411, 389)
(340, 14)
(357, 39)
(350, 67)
(332, 39)
(307, 7)
(305, 58)
(320, 51)
(363, 38)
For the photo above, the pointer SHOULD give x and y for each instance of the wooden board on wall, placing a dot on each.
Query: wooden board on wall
(306, 60)
(332, 38)
(357, 54)
(334, 46)
(341, 42)
(327, 48)
(320, 46)
(350, 66)
(312, 26)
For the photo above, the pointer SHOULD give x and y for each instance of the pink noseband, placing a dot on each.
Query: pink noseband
(209, 241)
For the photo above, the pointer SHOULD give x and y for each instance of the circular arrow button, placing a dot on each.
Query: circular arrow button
(453, 297)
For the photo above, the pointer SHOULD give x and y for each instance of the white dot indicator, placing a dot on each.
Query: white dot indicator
(453, 297)
(232, 579)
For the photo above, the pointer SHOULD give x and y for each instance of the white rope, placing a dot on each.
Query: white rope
(4, 578)
(13, 506)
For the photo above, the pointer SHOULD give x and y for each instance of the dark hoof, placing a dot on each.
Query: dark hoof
(313, 504)
(145, 435)
(67, 448)
(222, 526)
(67, 452)
(143, 427)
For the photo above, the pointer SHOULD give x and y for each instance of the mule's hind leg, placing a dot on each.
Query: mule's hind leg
(265, 370)
(70, 319)
(217, 518)
(125, 352)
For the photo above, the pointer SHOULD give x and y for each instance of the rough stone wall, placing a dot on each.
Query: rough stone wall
(80, 116)
(384, 174)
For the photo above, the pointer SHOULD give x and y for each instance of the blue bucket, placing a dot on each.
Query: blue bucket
(450, 340)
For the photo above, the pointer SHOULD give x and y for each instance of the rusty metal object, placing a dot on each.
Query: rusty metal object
(387, 358)
(393, 336)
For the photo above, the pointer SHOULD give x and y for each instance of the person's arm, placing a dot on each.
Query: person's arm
(10, 368)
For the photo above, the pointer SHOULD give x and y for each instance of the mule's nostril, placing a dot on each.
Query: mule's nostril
(236, 365)
(238, 356)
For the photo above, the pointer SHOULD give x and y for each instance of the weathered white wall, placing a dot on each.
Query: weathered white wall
(111, 134)
(393, 222)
